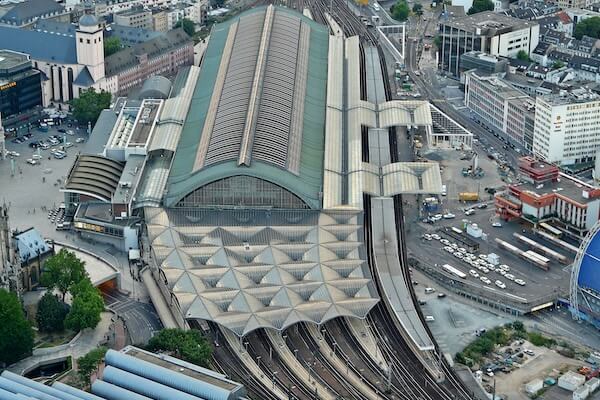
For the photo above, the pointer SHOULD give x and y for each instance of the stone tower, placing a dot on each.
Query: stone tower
(90, 46)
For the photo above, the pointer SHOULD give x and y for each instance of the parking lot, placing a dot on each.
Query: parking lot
(538, 283)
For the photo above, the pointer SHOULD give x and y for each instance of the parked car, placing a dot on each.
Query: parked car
(497, 225)
(500, 284)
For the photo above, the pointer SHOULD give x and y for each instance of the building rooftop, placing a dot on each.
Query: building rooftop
(30, 244)
(497, 85)
(565, 186)
(26, 11)
(565, 97)
(488, 23)
(129, 57)
(94, 176)
(44, 46)
(249, 269)
(10, 61)
(275, 134)
(134, 373)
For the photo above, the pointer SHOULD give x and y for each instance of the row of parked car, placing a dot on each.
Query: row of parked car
(479, 262)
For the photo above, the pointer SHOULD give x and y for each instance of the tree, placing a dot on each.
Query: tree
(187, 25)
(189, 345)
(111, 45)
(62, 271)
(16, 334)
(558, 64)
(400, 10)
(86, 308)
(417, 9)
(89, 363)
(481, 5)
(588, 27)
(522, 55)
(89, 105)
(51, 313)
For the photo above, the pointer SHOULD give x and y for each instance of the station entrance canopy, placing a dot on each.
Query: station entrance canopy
(250, 269)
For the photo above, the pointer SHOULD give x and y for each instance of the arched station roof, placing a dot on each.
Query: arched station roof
(258, 106)
(94, 176)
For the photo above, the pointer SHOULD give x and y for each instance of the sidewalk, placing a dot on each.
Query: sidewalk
(81, 345)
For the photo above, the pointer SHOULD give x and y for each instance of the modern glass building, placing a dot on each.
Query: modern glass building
(20, 83)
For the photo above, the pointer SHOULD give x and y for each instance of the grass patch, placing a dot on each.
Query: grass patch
(485, 344)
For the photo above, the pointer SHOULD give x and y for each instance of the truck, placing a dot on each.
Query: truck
(468, 196)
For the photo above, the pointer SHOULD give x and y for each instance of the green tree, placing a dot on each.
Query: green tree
(187, 25)
(481, 5)
(89, 105)
(417, 9)
(558, 64)
(588, 27)
(62, 271)
(111, 45)
(189, 345)
(400, 10)
(51, 313)
(89, 363)
(522, 55)
(86, 308)
(16, 334)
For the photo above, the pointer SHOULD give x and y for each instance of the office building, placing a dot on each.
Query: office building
(487, 32)
(501, 107)
(20, 84)
(482, 62)
(567, 127)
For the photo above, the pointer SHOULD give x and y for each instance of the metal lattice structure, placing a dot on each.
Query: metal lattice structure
(251, 269)
(576, 269)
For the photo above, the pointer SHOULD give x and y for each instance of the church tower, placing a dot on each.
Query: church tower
(90, 46)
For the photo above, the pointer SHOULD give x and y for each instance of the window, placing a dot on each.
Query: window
(88, 41)
(80, 40)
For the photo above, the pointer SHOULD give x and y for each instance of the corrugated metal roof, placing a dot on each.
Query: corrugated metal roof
(94, 175)
(287, 137)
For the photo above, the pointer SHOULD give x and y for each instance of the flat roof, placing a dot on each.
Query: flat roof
(578, 95)
(497, 85)
(258, 106)
(130, 178)
(490, 23)
(11, 59)
(566, 187)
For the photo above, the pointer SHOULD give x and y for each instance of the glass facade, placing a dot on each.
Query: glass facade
(242, 191)
(22, 92)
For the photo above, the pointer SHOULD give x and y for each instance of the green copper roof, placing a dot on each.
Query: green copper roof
(286, 131)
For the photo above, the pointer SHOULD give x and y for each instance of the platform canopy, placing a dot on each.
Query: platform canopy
(250, 269)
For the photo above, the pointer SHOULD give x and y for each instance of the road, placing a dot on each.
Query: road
(140, 318)
(423, 73)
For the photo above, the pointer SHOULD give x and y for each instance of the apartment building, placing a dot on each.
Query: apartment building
(500, 107)
(136, 17)
(567, 127)
(487, 32)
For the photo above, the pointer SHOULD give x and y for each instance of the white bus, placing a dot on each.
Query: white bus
(552, 230)
(451, 270)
